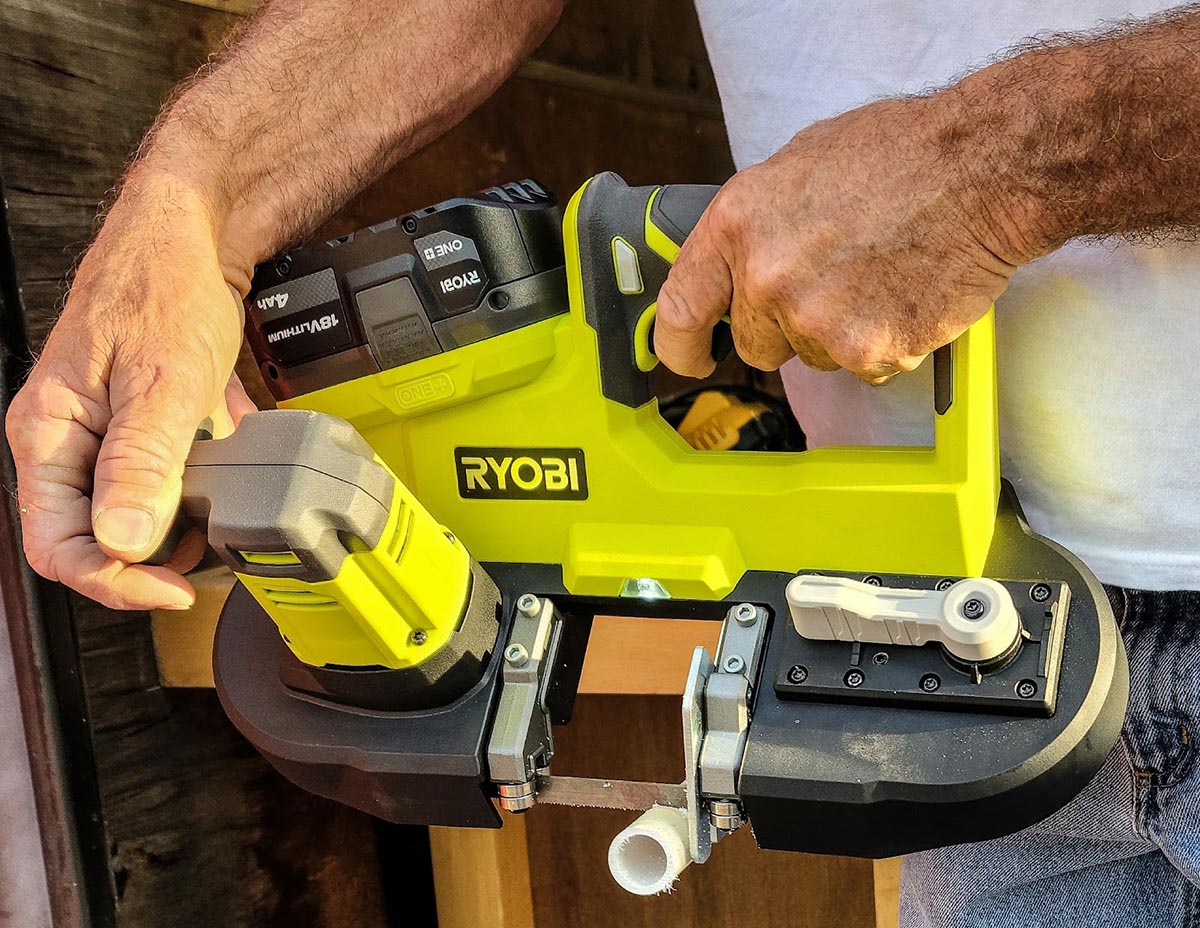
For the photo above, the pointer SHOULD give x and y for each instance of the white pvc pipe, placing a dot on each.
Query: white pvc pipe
(648, 856)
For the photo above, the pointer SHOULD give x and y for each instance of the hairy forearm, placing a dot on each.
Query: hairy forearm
(314, 99)
(1085, 135)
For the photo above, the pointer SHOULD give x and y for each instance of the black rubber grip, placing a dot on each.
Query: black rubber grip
(678, 207)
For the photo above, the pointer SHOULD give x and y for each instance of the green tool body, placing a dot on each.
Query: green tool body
(470, 465)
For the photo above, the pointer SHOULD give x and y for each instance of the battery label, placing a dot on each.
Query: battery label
(303, 319)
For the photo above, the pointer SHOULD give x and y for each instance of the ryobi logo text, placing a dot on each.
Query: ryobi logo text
(458, 281)
(521, 473)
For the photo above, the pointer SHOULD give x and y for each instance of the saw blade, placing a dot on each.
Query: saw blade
(596, 793)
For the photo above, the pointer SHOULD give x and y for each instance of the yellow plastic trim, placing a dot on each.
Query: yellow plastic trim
(643, 351)
(656, 239)
(393, 605)
(270, 558)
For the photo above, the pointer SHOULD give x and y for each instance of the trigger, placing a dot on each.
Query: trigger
(722, 340)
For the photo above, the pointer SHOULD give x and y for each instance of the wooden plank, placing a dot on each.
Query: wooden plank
(643, 656)
(481, 876)
(638, 737)
(183, 641)
(887, 892)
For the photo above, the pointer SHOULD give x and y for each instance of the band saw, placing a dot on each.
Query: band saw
(468, 465)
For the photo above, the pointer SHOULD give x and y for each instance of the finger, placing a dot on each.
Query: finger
(189, 551)
(806, 348)
(81, 564)
(50, 431)
(760, 341)
(139, 467)
(694, 298)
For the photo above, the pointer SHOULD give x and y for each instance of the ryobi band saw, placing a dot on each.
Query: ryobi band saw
(469, 466)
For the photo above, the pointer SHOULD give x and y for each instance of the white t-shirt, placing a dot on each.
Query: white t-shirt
(1098, 344)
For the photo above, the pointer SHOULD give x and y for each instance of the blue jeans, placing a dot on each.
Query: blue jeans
(1126, 852)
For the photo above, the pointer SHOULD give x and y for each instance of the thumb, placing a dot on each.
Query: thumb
(139, 468)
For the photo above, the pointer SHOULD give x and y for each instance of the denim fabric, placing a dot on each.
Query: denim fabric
(1126, 852)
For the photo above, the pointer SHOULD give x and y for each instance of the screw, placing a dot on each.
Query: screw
(516, 655)
(1027, 689)
(853, 678)
(283, 267)
(528, 605)
(944, 584)
(418, 637)
(798, 674)
(880, 658)
(873, 580)
(973, 609)
(409, 225)
(931, 683)
(734, 664)
(1040, 592)
(745, 615)
(499, 300)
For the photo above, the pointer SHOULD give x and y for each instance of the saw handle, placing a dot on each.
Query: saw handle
(621, 242)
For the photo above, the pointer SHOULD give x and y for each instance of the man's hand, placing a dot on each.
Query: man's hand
(142, 353)
(860, 244)
(313, 100)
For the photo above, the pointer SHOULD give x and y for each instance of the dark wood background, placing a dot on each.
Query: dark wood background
(201, 831)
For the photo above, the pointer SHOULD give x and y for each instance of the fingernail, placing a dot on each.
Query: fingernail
(178, 606)
(124, 528)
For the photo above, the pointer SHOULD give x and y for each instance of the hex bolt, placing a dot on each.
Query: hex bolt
(745, 615)
(409, 225)
(734, 664)
(973, 609)
(283, 267)
(880, 658)
(418, 636)
(1040, 592)
(797, 674)
(931, 683)
(854, 678)
(873, 580)
(944, 584)
(528, 605)
(1027, 689)
(516, 655)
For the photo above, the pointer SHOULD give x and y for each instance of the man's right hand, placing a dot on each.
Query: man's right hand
(143, 352)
